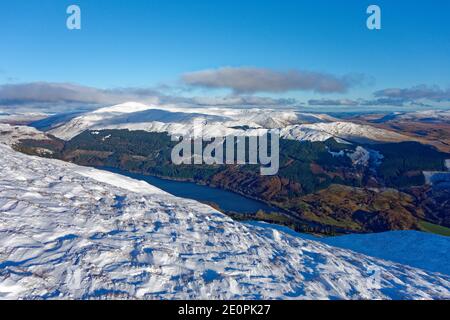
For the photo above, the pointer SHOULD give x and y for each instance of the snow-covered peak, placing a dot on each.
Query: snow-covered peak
(127, 107)
(71, 232)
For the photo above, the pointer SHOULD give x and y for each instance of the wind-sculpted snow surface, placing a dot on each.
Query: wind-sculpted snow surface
(71, 232)
(417, 249)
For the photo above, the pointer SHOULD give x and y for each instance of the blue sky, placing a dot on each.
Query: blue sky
(151, 43)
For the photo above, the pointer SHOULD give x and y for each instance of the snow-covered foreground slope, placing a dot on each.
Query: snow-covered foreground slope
(221, 122)
(413, 248)
(422, 250)
(73, 232)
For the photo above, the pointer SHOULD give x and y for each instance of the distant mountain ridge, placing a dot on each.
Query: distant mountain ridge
(221, 122)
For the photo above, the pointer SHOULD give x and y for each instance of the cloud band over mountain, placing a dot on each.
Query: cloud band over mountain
(392, 96)
(433, 93)
(252, 80)
(46, 92)
(55, 97)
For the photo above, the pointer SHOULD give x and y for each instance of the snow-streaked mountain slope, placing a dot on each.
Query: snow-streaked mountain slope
(424, 115)
(340, 130)
(135, 116)
(72, 232)
(222, 122)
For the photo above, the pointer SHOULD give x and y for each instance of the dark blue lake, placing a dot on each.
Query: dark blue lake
(226, 200)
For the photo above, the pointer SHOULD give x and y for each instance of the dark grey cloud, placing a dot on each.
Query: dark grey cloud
(61, 97)
(252, 80)
(333, 102)
(45, 92)
(419, 96)
(359, 102)
(383, 102)
(433, 93)
(242, 101)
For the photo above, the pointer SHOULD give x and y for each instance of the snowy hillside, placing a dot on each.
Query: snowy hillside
(340, 130)
(136, 116)
(10, 135)
(421, 250)
(221, 122)
(425, 115)
(413, 248)
(73, 232)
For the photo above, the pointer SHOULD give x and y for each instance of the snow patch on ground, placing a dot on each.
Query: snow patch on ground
(360, 157)
(118, 180)
(439, 179)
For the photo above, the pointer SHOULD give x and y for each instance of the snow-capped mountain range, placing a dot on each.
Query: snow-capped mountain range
(221, 122)
(342, 131)
(425, 115)
(73, 232)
